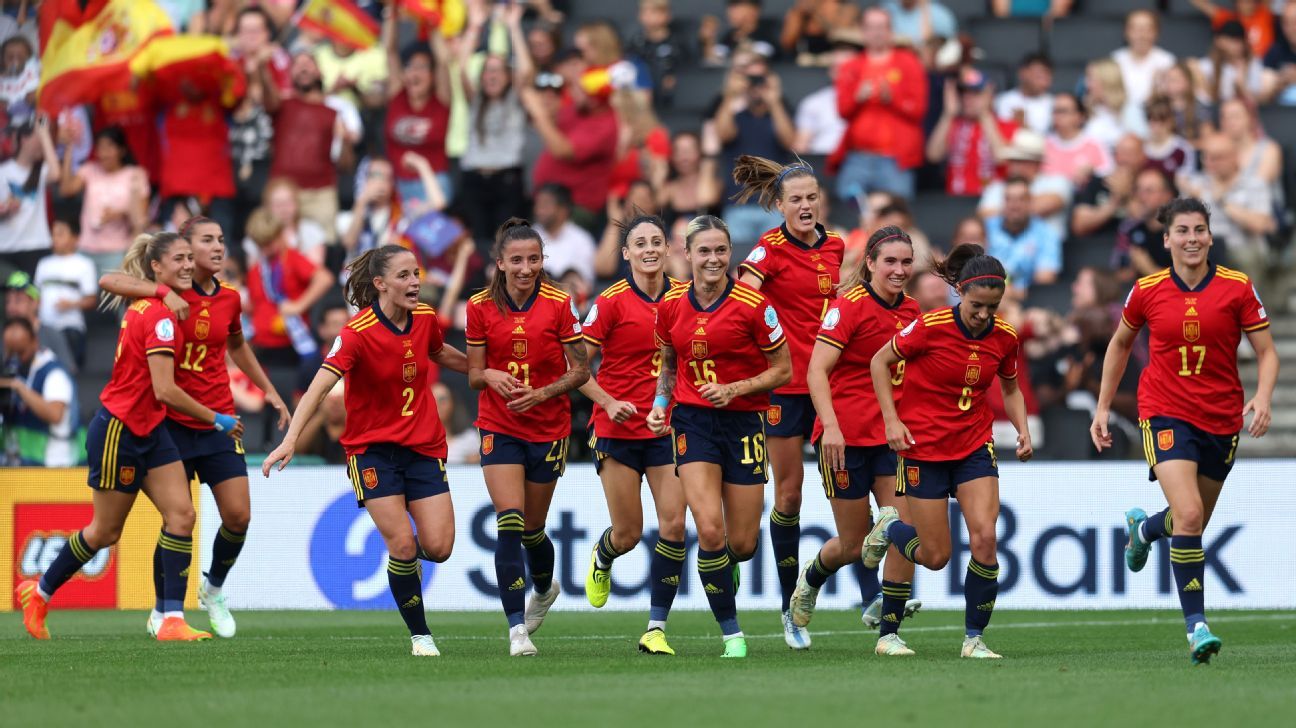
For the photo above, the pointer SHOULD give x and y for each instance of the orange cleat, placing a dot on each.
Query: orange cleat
(34, 608)
(175, 629)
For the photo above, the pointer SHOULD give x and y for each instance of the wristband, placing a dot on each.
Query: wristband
(225, 423)
(662, 401)
(162, 291)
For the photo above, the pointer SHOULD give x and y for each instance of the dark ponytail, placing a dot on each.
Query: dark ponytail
(359, 290)
(639, 218)
(1182, 206)
(763, 179)
(881, 236)
(967, 265)
(514, 228)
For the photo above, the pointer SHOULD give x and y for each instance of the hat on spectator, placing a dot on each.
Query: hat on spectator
(20, 281)
(972, 80)
(1026, 146)
(851, 38)
(1231, 29)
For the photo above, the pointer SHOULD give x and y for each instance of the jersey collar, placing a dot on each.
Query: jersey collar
(882, 302)
(198, 289)
(820, 230)
(639, 292)
(409, 321)
(958, 320)
(1210, 273)
(693, 299)
(508, 300)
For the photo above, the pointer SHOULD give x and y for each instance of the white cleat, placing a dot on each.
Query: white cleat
(154, 622)
(520, 642)
(538, 606)
(877, 541)
(222, 622)
(804, 597)
(796, 637)
(872, 616)
(421, 645)
(892, 646)
(976, 649)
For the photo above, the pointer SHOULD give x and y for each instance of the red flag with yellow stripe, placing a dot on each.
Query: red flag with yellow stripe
(340, 20)
(449, 16)
(183, 67)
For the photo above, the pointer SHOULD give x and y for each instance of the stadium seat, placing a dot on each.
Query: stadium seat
(1067, 424)
(1095, 251)
(1118, 8)
(1055, 296)
(1079, 40)
(1067, 76)
(1006, 40)
(799, 82)
(966, 10)
(677, 120)
(1185, 37)
(1280, 123)
(937, 214)
(697, 88)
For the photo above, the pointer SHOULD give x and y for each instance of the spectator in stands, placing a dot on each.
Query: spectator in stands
(462, 441)
(599, 47)
(882, 94)
(1140, 242)
(1095, 314)
(662, 51)
(567, 246)
(1050, 194)
(1229, 69)
(808, 27)
(1253, 16)
(68, 283)
(692, 186)
(1112, 113)
(968, 230)
(643, 142)
(1071, 151)
(356, 75)
(22, 300)
(42, 416)
(639, 199)
(819, 126)
(24, 232)
(115, 196)
(1191, 115)
(544, 39)
(1030, 250)
(1141, 59)
(251, 134)
(886, 209)
(1259, 156)
(1031, 8)
(968, 138)
(19, 79)
(915, 22)
(282, 198)
(253, 43)
(322, 434)
(377, 219)
(929, 291)
(1164, 147)
(1103, 202)
(418, 108)
(1280, 61)
(746, 28)
(1030, 104)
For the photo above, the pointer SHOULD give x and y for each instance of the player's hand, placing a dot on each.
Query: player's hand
(621, 411)
(1098, 432)
(282, 455)
(719, 395)
(527, 399)
(177, 305)
(274, 400)
(1024, 448)
(657, 421)
(1260, 423)
(898, 437)
(502, 383)
(833, 446)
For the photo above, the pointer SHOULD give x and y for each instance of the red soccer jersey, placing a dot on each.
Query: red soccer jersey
(290, 272)
(722, 343)
(200, 362)
(947, 373)
(803, 280)
(388, 384)
(1192, 372)
(859, 323)
(621, 323)
(148, 328)
(527, 343)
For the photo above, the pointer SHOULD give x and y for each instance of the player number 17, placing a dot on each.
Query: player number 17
(1184, 371)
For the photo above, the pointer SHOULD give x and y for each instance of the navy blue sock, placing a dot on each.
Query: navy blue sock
(406, 581)
(868, 582)
(980, 588)
(177, 554)
(664, 570)
(540, 558)
(715, 570)
(225, 550)
(74, 554)
(1157, 526)
(607, 553)
(158, 581)
(1188, 562)
(905, 538)
(894, 596)
(509, 572)
(785, 537)
(818, 574)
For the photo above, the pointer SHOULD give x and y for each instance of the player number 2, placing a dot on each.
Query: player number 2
(408, 394)
(703, 372)
(965, 399)
(191, 362)
(1184, 371)
(523, 369)
(753, 449)
(657, 359)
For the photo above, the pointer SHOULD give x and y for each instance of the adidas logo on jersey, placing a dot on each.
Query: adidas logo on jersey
(518, 585)
(1193, 586)
(789, 561)
(713, 589)
(413, 602)
(987, 607)
(519, 330)
(671, 581)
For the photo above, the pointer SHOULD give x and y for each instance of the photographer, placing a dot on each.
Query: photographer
(37, 401)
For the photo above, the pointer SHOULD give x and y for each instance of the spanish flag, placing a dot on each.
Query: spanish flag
(340, 20)
(449, 16)
(87, 49)
(179, 67)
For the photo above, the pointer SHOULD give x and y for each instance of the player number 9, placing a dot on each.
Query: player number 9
(657, 359)
(898, 375)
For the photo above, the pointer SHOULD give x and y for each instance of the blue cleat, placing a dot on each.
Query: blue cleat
(1136, 550)
(1204, 645)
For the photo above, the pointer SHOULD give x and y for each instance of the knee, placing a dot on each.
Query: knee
(934, 558)
(101, 537)
(1189, 521)
(402, 547)
(983, 543)
(743, 549)
(437, 550)
(850, 544)
(179, 522)
(671, 528)
(237, 521)
(626, 537)
(787, 499)
(711, 536)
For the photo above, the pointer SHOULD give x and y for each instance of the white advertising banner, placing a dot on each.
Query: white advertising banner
(1060, 544)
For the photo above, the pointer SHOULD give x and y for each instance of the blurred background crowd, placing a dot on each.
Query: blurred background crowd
(313, 130)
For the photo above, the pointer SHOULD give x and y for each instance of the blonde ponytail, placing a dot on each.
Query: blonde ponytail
(145, 249)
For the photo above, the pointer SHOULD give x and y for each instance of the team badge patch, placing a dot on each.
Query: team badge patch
(519, 348)
(1192, 330)
(825, 284)
(906, 330)
(592, 316)
(202, 328)
(337, 346)
(165, 330)
(843, 479)
(488, 444)
(972, 375)
(775, 414)
(757, 254)
(699, 349)
(911, 474)
(370, 477)
(681, 445)
(832, 319)
(409, 371)
(126, 476)
(1165, 439)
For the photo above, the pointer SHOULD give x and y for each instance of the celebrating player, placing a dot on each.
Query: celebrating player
(1189, 398)
(208, 314)
(796, 264)
(853, 455)
(722, 351)
(620, 324)
(525, 353)
(394, 440)
(128, 447)
(943, 431)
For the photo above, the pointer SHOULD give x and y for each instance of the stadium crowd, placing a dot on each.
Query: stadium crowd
(311, 150)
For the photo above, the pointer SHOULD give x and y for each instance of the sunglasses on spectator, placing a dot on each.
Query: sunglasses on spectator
(548, 80)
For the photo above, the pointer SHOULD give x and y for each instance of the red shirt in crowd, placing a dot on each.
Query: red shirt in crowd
(1259, 26)
(200, 363)
(292, 272)
(303, 143)
(422, 131)
(971, 164)
(888, 128)
(588, 173)
(195, 151)
(148, 328)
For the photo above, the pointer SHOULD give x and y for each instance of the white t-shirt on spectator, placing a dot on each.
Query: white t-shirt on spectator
(351, 121)
(26, 228)
(1037, 112)
(1107, 128)
(57, 388)
(1139, 75)
(461, 448)
(1229, 78)
(992, 200)
(65, 278)
(568, 248)
(817, 114)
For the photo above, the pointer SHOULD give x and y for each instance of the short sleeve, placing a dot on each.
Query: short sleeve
(1253, 316)
(236, 308)
(911, 341)
(839, 324)
(569, 324)
(1050, 250)
(87, 282)
(436, 338)
(601, 315)
(759, 262)
(475, 330)
(767, 329)
(343, 353)
(161, 335)
(58, 386)
(665, 318)
(1008, 365)
(1134, 315)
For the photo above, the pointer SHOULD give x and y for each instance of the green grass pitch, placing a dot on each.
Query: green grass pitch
(354, 669)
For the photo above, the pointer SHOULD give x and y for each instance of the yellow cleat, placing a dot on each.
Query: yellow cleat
(34, 608)
(598, 582)
(653, 642)
(175, 629)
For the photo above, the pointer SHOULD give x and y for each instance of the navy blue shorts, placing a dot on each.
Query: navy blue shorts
(790, 415)
(863, 466)
(120, 460)
(733, 440)
(941, 479)
(638, 455)
(386, 469)
(212, 456)
(544, 462)
(1166, 438)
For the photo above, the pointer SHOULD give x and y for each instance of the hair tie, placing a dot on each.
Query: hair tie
(790, 169)
(892, 236)
(964, 284)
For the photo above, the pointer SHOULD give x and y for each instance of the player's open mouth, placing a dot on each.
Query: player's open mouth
(806, 217)
(412, 294)
(649, 260)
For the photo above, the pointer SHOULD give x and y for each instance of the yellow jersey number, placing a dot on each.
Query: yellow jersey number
(520, 371)
(193, 357)
(965, 399)
(703, 372)
(408, 394)
(753, 449)
(657, 359)
(897, 374)
(1197, 351)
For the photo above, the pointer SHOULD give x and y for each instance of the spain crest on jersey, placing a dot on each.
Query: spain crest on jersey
(681, 444)
(126, 475)
(202, 328)
(972, 375)
(842, 478)
(1192, 330)
(911, 474)
(825, 283)
(370, 477)
(699, 349)
(1165, 439)
(774, 414)
(519, 348)
(488, 444)
(409, 371)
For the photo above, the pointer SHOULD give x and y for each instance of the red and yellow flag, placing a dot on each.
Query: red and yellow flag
(184, 67)
(449, 16)
(87, 49)
(340, 20)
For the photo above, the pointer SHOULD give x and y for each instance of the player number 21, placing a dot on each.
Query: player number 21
(1184, 371)
(524, 370)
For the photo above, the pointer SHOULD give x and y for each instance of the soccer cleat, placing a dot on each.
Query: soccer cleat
(735, 646)
(421, 645)
(877, 541)
(653, 642)
(1204, 645)
(802, 604)
(598, 582)
(538, 606)
(1136, 551)
(892, 646)
(222, 622)
(175, 629)
(975, 648)
(872, 615)
(798, 638)
(520, 642)
(154, 622)
(34, 609)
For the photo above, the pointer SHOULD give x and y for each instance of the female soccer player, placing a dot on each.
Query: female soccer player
(796, 264)
(853, 453)
(394, 440)
(208, 314)
(128, 447)
(525, 353)
(620, 325)
(1189, 398)
(943, 431)
(723, 350)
